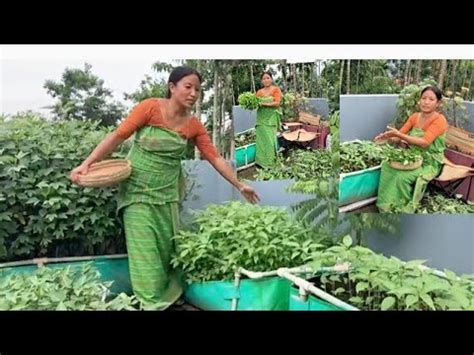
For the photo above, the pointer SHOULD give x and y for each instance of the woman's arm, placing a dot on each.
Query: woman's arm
(418, 141)
(210, 153)
(139, 116)
(405, 129)
(270, 104)
(277, 95)
(107, 146)
(226, 171)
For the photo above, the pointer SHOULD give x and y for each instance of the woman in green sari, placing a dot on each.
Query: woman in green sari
(148, 200)
(268, 122)
(425, 132)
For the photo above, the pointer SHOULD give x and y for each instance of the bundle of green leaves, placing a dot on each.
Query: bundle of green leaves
(403, 156)
(249, 101)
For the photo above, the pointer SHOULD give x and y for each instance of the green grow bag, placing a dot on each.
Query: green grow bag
(257, 295)
(359, 185)
(241, 156)
(251, 150)
(111, 268)
(245, 155)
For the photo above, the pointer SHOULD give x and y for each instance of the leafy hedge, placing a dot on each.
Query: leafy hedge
(41, 212)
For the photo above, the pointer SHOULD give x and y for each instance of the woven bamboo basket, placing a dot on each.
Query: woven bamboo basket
(412, 166)
(300, 135)
(106, 173)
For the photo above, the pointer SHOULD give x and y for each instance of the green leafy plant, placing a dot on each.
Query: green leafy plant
(362, 155)
(334, 126)
(301, 165)
(454, 108)
(407, 103)
(41, 212)
(376, 282)
(434, 202)
(292, 103)
(249, 101)
(61, 289)
(81, 95)
(321, 212)
(225, 237)
(245, 138)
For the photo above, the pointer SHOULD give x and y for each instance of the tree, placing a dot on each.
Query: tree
(442, 73)
(340, 77)
(81, 95)
(149, 87)
(348, 86)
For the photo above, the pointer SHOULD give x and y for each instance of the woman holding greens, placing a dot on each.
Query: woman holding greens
(268, 122)
(425, 132)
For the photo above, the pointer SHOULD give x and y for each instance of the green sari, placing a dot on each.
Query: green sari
(149, 202)
(266, 129)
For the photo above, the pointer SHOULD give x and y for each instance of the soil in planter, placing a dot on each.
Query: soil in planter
(248, 174)
(182, 307)
(332, 286)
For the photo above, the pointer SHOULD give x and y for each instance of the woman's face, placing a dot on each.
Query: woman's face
(266, 80)
(429, 102)
(186, 91)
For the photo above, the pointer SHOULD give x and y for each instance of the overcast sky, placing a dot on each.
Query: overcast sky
(23, 79)
(25, 68)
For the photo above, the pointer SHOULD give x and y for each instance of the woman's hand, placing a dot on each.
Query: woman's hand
(390, 133)
(78, 171)
(249, 193)
(380, 136)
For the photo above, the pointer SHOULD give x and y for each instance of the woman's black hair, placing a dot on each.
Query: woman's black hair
(268, 73)
(437, 91)
(179, 73)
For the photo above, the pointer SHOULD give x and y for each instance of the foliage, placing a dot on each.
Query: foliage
(376, 282)
(238, 234)
(407, 103)
(149, 88)
(41, 212)
(249, 101)
(454, 108)
(403, 156)
(437, 203)
(61, 290)
(321, 212)
(292, 104)
(245, 138)
(300, 165)
(334, 126)
(81, 95)
(361, 155)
